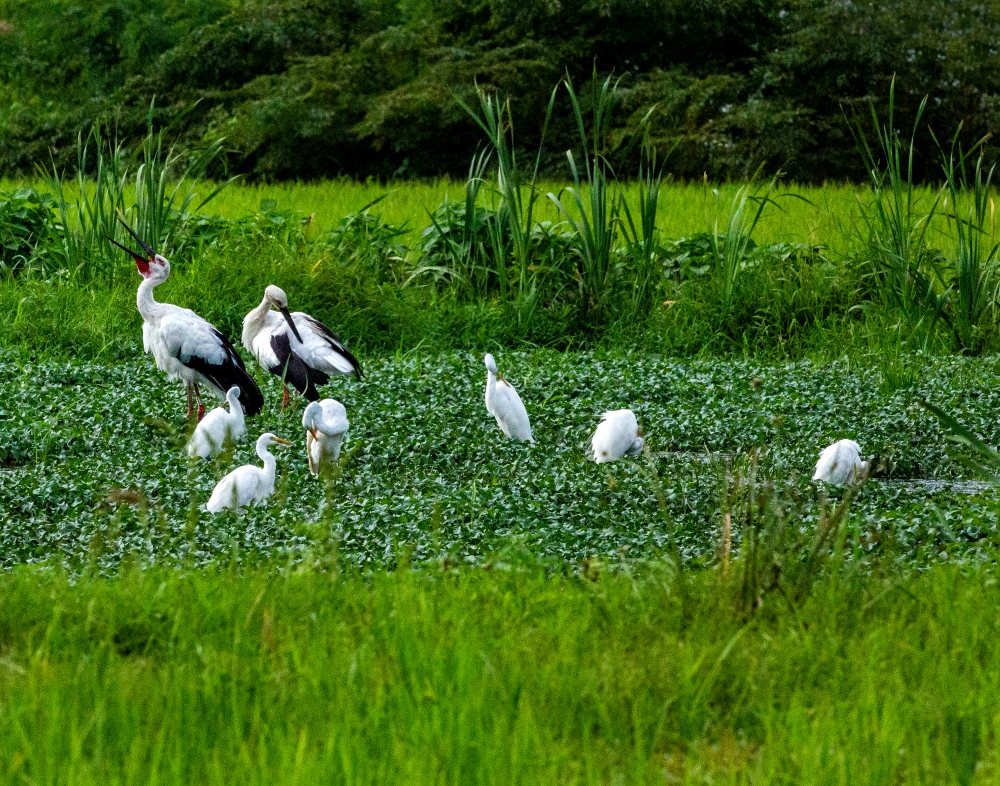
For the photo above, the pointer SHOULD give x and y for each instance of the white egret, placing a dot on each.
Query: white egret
(295, 347)
(326, 424)
(218, 427)
(249, 484)
(503, 403)
(841, 463)
(184, 345)
(617, 435)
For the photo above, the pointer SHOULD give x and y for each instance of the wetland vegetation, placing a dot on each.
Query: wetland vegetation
(449, 606)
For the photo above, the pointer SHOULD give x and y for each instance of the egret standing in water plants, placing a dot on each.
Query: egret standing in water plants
(841, 463)
(184, 345)
(503, 403)
(249, 484)
(218, 427)
(326, 424)
(617, 435)
(295, 347)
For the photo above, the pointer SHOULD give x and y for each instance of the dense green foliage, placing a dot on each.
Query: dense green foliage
(468, 677)
(314, 88)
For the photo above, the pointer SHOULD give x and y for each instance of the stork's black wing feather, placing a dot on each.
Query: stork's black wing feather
(229, 372)
(336, 342)
(293, 370)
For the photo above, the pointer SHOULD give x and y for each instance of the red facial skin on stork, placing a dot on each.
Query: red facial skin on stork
(141, 262)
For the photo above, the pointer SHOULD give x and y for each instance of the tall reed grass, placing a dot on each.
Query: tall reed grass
(162, 183)
(897, 222)
(975, 282)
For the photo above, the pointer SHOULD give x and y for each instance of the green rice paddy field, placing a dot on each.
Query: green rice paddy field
(454, 608)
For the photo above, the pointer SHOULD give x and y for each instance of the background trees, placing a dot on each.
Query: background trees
(318, 88)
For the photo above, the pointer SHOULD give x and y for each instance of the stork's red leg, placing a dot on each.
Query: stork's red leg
(285, 398)
(201, 407)
(190, 403)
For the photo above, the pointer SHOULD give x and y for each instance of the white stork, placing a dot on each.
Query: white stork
(184, 345)
(295, 347)
(503, 403)
(326, 424)
(617, 435)
(249, 484)
(841, 463)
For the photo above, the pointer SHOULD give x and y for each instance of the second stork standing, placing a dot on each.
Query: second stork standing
(296, 348)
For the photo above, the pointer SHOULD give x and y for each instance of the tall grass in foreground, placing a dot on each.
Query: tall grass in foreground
(638, 675)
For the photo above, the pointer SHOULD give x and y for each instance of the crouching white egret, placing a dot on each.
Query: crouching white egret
(617, 435)
(326, 424)
(300, 350)
(249, 484)
(218, 427)
(503, 403)
(841, 463)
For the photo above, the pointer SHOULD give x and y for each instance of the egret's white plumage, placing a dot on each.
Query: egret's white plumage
(617, 435)
(302, 351)
(185, 346)
(326, 424)
(841, 463)
(249, 484)
(503, 403)
(218, 427)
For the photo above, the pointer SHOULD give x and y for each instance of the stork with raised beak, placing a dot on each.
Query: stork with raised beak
(185, 346)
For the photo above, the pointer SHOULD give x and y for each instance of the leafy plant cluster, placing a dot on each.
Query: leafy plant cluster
(93, 471)
(305, 89)
(25, 216)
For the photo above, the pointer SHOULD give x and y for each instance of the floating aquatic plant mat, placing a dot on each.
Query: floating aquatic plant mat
(92, 471)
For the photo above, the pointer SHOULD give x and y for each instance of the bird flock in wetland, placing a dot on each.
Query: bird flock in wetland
(304, 353)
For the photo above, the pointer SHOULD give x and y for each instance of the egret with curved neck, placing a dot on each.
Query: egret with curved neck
(249, 484)
(326, 424)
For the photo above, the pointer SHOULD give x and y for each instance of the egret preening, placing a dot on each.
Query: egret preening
(503, 403)
(295, 347)
(841, 463)
(249, 484)
(617, 435)
(184, 345)
(218, 427)
(326, 424)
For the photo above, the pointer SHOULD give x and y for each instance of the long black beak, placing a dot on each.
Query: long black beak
(288, 318)
(137, 257)
(139, 240)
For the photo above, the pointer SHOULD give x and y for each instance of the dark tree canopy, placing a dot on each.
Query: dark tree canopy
(367, 88)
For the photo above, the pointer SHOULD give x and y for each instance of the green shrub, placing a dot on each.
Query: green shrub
(24, 218)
